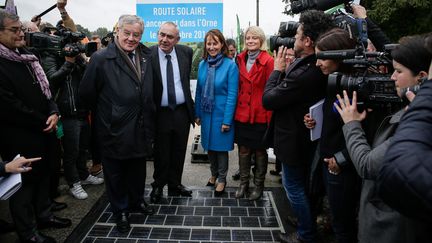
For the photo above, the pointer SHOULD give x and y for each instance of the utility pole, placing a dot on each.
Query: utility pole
(257, 12)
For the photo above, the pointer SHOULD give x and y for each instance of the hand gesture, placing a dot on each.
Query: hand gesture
(359, 11)
(20, 164)
(333, 167)
(51, 123)
(280, 62)
(309, 121)
(225, 128)
(198, 121)
(348, 111)
(37, 20)
(61, 4)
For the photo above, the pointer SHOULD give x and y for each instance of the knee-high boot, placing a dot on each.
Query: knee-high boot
(244, 164)
(261, 163)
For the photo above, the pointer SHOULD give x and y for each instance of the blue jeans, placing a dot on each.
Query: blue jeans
(75, 143)
(294, 179)
(343, 191)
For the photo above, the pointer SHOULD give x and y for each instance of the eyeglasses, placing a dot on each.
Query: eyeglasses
(135, 35)
(15, 30)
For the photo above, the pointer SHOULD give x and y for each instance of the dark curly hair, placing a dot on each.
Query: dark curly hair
(314, 23)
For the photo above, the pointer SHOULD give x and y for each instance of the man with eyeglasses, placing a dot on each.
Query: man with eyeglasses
(28, 119)
(175, 111)
(118, 88)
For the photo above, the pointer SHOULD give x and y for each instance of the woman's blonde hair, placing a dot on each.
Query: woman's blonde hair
(256, 31)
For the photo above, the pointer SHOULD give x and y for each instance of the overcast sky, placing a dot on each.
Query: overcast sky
(104, 13)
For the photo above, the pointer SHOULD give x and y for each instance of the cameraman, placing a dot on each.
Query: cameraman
(65, 74)
(289, 94)
(377, 221)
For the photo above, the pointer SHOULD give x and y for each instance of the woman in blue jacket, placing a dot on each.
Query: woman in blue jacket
(215, 102)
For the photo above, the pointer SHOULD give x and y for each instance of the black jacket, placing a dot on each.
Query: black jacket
(289, 96)
(24, 110)
(405, 179)
(65, 78)
(122, 102)
(184, 56)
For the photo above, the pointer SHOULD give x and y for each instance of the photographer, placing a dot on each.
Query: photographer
(289, 94)
(404, 181)
(65, 74)
(377, 221)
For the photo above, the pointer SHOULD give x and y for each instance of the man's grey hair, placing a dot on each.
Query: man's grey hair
(172, 24)
(6, 15)
(130, 19)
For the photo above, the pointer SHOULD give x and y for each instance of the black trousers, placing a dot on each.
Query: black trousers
(29, 203)
(125, 182)
(172, 134)
(75, 142)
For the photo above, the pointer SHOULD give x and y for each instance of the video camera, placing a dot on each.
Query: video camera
(64, 42)
(298, 6)
(371, 71)
(285, 37)
(371, 78)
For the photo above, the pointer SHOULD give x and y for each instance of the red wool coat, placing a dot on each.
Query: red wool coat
(251, 87)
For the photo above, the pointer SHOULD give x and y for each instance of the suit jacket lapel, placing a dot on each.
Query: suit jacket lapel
(156, 65)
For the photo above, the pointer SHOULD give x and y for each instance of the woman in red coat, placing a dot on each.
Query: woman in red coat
(255, 66)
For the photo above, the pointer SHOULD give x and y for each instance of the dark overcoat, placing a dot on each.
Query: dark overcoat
(122, 103)
(24, 110)
(289, 95)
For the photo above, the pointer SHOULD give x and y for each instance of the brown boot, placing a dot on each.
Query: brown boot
(261, 163)
(244, 166)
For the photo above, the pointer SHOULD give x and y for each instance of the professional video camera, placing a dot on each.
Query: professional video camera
(298, 6)
(64, 42)
(285, 37)
(370, 79)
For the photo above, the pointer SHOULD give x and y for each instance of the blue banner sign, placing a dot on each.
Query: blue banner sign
(193, 17)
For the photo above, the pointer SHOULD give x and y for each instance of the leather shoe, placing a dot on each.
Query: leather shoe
(57, 206)
(179, 190)
(275, 172)
(122, 222)
(156, 194)
(38, 237)
(143, 208)
(54, 222)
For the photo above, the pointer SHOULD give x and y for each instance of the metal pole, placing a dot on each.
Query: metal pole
(257, 12)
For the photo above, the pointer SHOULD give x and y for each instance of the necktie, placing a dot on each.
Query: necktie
(131, 57)
(170, 83)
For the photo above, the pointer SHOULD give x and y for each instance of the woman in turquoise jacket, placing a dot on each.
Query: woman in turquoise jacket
(215, 102)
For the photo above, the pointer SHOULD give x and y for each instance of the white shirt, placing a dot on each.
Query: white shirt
(177, 81)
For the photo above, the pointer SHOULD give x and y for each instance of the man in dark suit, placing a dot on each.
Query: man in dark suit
(118, 87)
(171, 71)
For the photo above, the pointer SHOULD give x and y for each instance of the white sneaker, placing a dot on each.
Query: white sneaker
(92, 180)
(78, 192)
